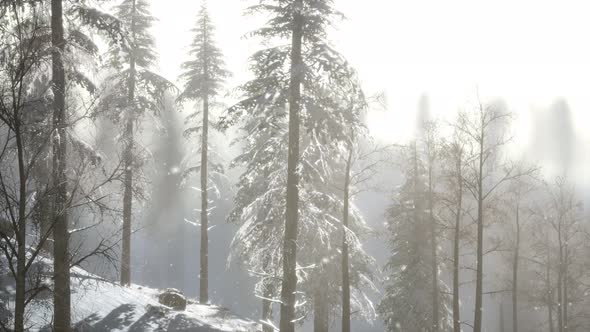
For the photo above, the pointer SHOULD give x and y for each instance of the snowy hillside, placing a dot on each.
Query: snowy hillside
(101, 305)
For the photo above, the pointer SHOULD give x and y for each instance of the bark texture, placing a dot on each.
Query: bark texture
(128, 164)
(61, 259)
(289, 282)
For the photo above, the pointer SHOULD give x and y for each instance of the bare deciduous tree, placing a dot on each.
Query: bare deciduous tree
(485, 173)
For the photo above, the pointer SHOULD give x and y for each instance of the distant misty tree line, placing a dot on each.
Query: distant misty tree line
(468, 215)
(305, 155)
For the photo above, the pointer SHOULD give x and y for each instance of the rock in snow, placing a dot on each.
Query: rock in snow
(173, 298)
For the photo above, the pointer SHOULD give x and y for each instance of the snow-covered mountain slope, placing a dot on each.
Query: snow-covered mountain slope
(99, 305)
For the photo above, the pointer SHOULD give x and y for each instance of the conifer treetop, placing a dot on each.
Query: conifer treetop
(205, 72)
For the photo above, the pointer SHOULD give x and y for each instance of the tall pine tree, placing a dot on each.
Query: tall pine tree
(409, 288)
(133, 91)
(318, 123)
(203, 75)
(305, 22)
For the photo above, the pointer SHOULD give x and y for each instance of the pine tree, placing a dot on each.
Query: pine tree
(257, 243)
(326, 119)
(289, 281)
(61, 252)
(259, 206)
(81, 52)
(204, 74)
(407, 303)
(68, 42)
(133, 91)
(289, 19)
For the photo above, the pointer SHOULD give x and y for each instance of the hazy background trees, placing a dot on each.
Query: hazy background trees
(500, 222)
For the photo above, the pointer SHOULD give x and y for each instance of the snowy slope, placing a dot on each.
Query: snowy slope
(100, 305)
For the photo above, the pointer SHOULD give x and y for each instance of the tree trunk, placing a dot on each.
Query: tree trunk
(21, 236)
(267, 307)
(479, 269)
(559, 303)
(204, 271)
(550, 315)
(560, 282)
(61, 259)
(127, 204)
(565, 289)
(204, 251)
(515, 275)
(565, 279)
(289, 282)
(321, 318)
(433, 244)
(45, 222)
(549, 293)
(456, 246)
(345, 267)
(501, 310)
(128, 164)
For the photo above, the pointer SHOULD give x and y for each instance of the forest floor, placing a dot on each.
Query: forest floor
(101, 305)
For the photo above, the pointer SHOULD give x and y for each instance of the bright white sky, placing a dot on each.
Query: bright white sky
(529, 52)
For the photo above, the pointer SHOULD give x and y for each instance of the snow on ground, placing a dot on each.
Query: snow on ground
(100, 305)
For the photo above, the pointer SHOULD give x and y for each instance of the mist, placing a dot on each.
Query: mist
(300, 165)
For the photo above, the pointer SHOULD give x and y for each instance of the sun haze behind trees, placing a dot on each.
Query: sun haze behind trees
(338, 197)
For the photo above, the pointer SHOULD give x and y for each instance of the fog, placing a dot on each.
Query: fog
(499, 89)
